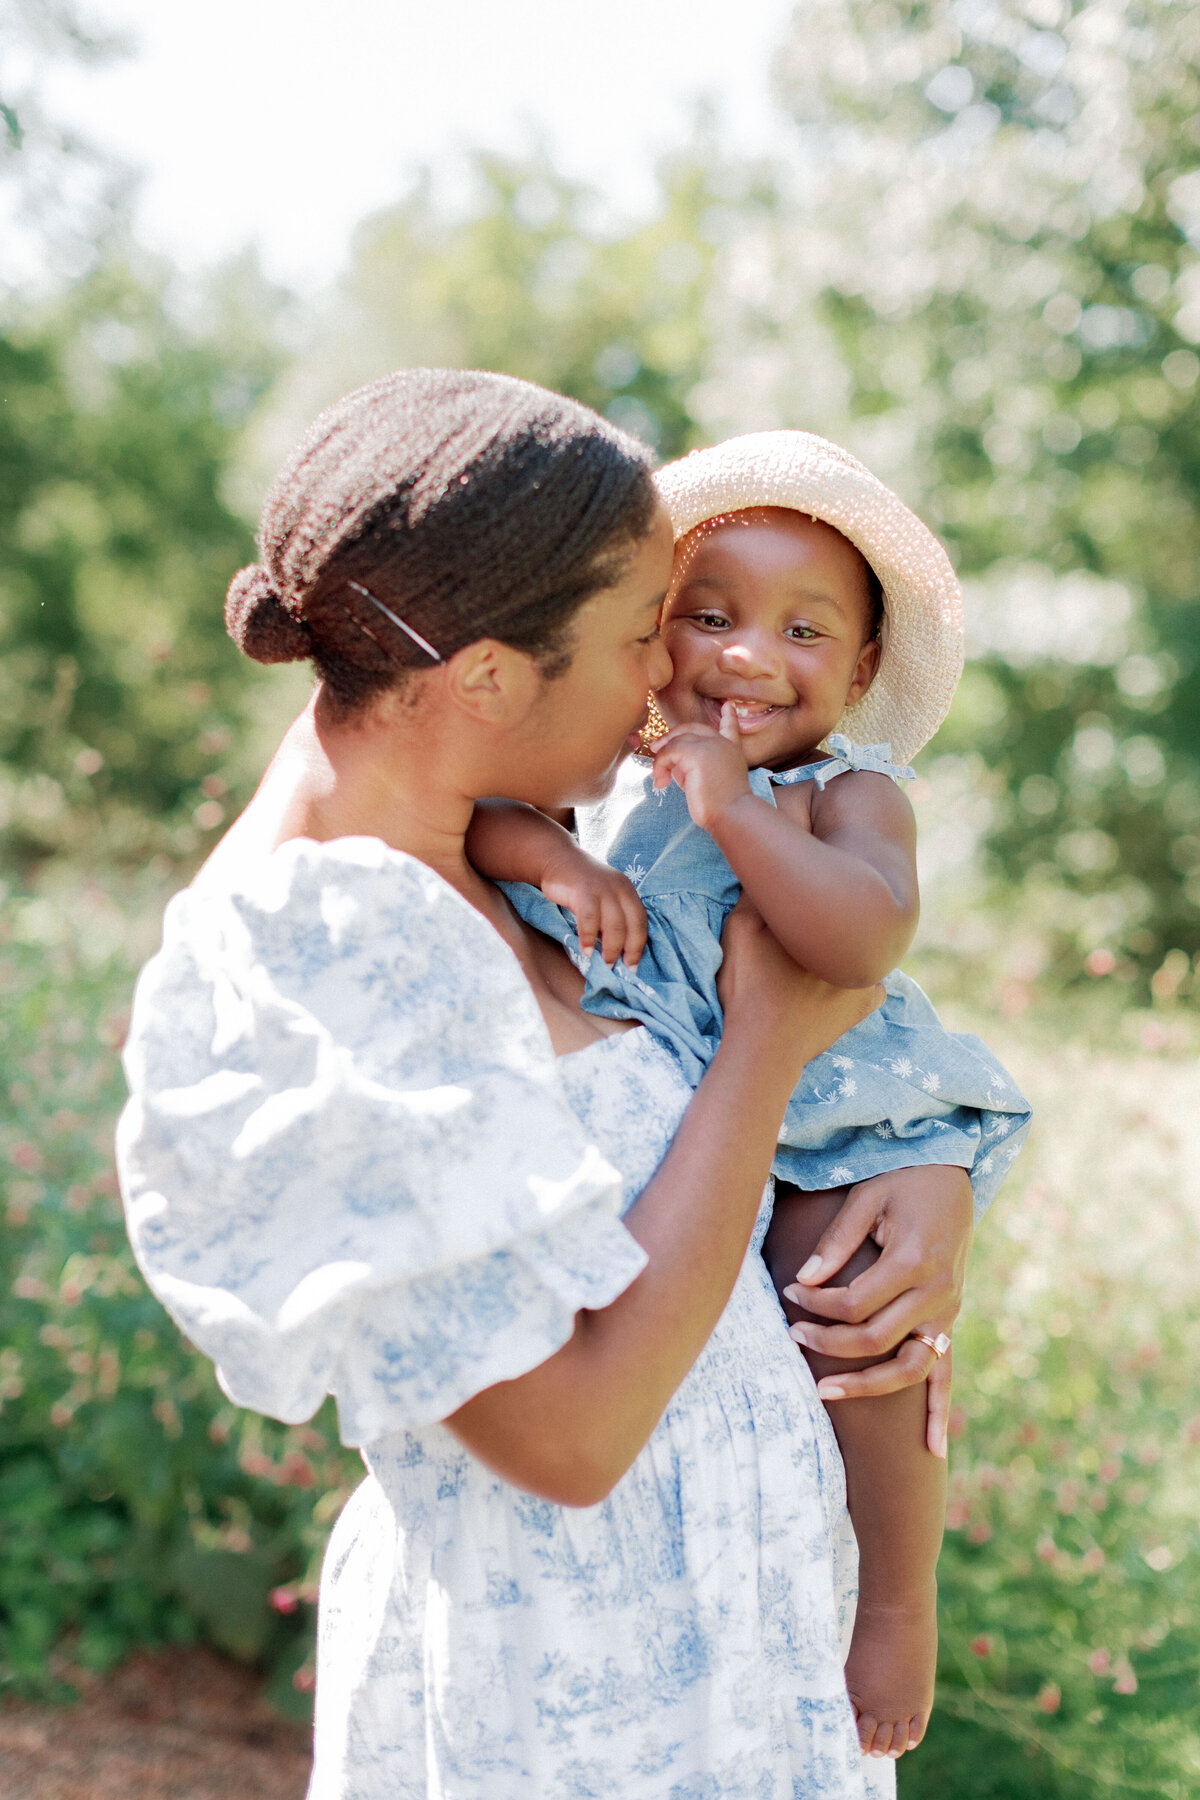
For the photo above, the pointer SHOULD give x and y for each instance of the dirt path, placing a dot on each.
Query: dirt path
(187, 1726)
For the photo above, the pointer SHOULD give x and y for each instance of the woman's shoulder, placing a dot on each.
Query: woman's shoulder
(313, 901)
(347, 1159)
(352, 935)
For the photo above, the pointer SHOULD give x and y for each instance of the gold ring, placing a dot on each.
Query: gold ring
(939, 1345)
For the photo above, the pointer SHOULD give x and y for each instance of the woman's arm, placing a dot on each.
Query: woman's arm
(834, 874)
(570, 1428)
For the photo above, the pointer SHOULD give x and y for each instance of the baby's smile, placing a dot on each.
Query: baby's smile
(752, 715)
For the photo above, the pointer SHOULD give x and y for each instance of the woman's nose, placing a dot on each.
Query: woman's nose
(661, 666)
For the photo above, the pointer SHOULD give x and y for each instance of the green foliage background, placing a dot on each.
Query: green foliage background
(981, 272)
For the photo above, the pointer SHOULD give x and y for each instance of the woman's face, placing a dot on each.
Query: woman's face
(588, 720)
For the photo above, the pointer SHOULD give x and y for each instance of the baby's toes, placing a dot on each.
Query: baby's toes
(895, 1739)
(917, 1727)
(867, 1728)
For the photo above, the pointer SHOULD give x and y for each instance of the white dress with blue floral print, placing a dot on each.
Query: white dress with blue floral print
(353, 1165)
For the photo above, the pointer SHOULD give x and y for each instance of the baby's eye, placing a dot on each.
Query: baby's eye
(712, 621)
(803, 632)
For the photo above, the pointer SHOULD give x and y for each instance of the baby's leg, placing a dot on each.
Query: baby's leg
(896, 1492)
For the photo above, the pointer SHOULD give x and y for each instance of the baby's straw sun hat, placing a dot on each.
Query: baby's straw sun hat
(922, 631)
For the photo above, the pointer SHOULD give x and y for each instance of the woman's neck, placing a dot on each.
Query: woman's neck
(360, 777)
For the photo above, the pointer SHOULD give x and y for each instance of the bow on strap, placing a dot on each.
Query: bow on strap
(846, 756)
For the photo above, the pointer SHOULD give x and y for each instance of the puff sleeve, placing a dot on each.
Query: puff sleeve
(347, 1163)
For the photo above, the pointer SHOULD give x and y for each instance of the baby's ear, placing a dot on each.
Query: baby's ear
(865, 670)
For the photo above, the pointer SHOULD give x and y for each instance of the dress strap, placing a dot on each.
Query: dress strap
(846, 758)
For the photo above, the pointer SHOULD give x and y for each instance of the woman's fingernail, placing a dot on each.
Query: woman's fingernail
(825, 1392)
(793, 1293)
(799, 1335)
(811, 1268)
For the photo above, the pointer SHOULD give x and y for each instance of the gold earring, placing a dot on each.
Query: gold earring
(655, 727)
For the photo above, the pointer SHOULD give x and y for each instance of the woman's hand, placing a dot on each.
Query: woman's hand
(923, 1220)
(606, 906)
(792, 1014)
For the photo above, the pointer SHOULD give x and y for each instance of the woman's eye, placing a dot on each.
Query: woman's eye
(652, 637)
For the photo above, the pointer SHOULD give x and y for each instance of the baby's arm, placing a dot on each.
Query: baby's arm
(833, 873)
(507, 841)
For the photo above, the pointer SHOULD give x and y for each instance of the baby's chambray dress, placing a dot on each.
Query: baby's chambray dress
(353, 1165)
(896, 1091)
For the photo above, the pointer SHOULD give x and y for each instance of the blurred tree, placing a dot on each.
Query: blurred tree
(123, 395)
(57, 190)
(120, 701)
(988, 282)
(530, 280)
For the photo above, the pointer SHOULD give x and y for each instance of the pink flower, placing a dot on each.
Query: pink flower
(979, 1534)
(1047, 1550)
(1050, 1698)
(283, 1600)
(25, 1156)
(304, 1680)
(1126, 1682)
(1099, 1662)
(957, 1515)
(981, 1646)
(1100, 962)
(296, 1471)
(1093, 1559)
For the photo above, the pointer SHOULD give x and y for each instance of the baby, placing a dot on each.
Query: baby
(808, 609)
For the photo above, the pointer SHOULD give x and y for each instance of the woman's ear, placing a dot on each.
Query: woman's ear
(865, 670)
(493, 683)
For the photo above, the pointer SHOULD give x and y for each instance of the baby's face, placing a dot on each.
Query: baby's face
(769, 609)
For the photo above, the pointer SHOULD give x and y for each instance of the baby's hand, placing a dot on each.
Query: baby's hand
(709, 766)
(605, 904)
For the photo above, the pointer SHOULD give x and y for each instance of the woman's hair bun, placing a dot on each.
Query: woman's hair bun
(259, 623)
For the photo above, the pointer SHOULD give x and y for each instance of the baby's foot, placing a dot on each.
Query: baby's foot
(890, 1672)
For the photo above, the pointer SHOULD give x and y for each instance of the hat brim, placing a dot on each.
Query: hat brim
(922, 640)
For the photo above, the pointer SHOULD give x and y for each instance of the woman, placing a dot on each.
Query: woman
(375, 1148)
